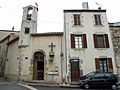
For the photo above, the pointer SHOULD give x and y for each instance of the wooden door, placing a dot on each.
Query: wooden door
(75, 71)
(38, 66)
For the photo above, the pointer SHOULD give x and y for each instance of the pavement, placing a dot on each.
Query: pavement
(30, 84)
(54, 85)
(51, 84)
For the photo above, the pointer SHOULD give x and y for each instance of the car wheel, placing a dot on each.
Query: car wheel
(86, 86)
(114, 87)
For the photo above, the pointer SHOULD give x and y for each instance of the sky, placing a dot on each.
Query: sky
(50, 14)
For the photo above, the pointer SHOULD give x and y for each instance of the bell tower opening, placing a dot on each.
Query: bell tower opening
(29, 14)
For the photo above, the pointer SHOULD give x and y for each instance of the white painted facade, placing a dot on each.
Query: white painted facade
(87, 55)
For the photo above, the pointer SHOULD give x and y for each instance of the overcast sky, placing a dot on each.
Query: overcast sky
(50, 14)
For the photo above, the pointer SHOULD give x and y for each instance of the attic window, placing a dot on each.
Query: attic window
(27, 30)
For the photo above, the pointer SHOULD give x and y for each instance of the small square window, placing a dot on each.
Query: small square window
(27, 30)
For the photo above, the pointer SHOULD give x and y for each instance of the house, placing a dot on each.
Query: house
(5, 37)
(115, 34)
(88, 44)
(85, 45)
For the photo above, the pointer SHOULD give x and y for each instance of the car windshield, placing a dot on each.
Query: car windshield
(90, 74)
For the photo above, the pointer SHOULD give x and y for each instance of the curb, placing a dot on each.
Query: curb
(27, 86)
(31, 85)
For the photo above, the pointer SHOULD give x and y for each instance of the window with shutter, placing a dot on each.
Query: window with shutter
(103, 64)
(78, 41)
(101, 41)
(97, 19)
(77, 19)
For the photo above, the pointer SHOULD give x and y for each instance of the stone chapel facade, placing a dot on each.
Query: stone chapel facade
(83, 47)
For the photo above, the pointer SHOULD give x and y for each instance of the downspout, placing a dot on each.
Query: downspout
(65, 40)
(61, 55)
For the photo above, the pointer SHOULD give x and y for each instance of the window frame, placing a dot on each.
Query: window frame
(27, 30)
(78, 41)
(103, 65)
(77, 19)
(108, 61)
(101, 41)
(84, 41)
(106, 41)
(97, 18)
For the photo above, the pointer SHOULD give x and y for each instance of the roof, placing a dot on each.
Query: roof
(85, 10)
(13, 40)
(48, 34)
(7, 37)
(8, 31)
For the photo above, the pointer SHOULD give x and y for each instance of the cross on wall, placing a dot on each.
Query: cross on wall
(52, 45)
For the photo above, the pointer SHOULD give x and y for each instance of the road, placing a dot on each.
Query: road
(5, 85)
(61, 88)
(13, 86)
(16, 86)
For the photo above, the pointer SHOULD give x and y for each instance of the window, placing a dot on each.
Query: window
(104, 64)
(97, 19)
(101, 41)
(78, 41)
(27, 30)
(77, 19)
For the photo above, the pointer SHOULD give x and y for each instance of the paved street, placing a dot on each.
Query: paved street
(5, 85)
(13, 86)
(62, 88)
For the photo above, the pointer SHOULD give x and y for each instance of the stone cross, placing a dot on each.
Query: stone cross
(52, 46)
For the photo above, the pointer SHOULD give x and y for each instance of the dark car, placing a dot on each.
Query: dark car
(99, 79)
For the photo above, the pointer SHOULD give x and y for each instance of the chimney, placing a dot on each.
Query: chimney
(99, 8)
(85, 5)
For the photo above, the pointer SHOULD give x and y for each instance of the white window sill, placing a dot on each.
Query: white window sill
(77, 25)
(98, 25)
(80, 48)
(101, 48)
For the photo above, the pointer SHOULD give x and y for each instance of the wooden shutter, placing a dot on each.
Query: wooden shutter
(110, 66)
(106, 41)
(95, 17)
(75, 19)
(72, 41)
(79, 20)
(97, 64)
(95, 41)
(84, 41)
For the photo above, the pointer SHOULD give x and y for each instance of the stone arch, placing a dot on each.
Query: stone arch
(38, 64)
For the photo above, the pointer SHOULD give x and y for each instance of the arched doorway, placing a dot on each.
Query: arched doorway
(38, 66)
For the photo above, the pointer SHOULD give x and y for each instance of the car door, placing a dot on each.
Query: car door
(97, 81)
